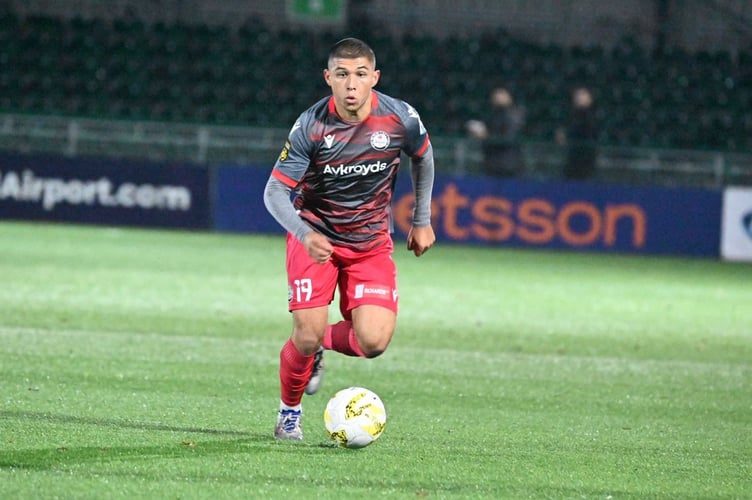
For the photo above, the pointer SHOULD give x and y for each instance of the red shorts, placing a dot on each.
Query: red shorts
(362, 277)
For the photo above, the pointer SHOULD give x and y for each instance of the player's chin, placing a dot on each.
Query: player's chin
(353, 105)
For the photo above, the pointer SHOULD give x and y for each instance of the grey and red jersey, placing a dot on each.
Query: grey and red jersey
(344, 172)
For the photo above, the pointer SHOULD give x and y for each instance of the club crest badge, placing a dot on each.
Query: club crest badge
(380, 140)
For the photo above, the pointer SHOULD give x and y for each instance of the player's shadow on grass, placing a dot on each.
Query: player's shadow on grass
(117, 423)
(46, 458)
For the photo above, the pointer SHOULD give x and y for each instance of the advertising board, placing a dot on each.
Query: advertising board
(521, 213)
(114, 192)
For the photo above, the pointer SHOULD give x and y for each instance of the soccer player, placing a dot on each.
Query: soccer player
(341, 159)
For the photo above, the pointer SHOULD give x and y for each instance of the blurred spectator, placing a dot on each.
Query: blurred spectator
(499, 135)
(579, 136)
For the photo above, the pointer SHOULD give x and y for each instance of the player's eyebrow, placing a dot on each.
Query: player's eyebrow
(346, 69)
(366, 65)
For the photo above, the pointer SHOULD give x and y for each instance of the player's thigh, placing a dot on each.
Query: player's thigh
(310, 284)
(374, 327)
(370, 281)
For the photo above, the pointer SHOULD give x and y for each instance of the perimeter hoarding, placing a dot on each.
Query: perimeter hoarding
(473, 210)
(736, 226)
(113, 192)
(520, 213)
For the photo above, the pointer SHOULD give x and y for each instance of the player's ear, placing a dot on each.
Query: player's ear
(327, 77)
(376, 75)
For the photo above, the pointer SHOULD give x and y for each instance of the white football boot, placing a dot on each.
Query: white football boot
(317, 374)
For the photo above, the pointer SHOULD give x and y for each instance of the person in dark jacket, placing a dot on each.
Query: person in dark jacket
(499, 135)
(580, 136)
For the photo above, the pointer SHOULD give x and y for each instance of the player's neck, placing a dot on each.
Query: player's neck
(356, 117)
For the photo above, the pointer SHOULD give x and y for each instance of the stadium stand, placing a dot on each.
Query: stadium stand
(252, 75)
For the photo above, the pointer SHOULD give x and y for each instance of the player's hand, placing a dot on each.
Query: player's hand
(420, 239)
(318, 247)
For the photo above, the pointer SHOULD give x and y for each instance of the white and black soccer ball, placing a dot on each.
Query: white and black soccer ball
(355, 417)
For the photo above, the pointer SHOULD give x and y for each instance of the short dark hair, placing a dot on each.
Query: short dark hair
(351, 48)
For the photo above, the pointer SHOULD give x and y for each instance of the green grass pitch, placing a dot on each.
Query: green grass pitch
(143, 364)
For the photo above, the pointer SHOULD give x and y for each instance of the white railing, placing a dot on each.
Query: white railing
(208, 145)
(138, 139)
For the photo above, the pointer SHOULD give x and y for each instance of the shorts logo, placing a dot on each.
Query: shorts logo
(379, 291)
(380, 140)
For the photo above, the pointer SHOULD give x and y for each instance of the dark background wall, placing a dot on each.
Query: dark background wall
(692, 24)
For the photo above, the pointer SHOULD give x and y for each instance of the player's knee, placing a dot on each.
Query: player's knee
(373, 353)
(373, 330)
(375, 347)
(306, 341)
(308, 329)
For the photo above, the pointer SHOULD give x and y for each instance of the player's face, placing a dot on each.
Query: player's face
(351, 81)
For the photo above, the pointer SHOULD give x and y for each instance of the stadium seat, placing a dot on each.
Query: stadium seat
(178, 71)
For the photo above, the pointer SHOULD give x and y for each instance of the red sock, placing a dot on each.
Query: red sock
(294, 372)
(340, 337)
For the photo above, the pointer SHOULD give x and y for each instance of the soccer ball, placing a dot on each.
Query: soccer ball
(355, 417)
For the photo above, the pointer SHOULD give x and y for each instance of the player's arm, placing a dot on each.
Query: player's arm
(277, 202)
(421, 236)
(289, 168)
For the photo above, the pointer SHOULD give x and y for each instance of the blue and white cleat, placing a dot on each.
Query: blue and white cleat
(288, 425)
